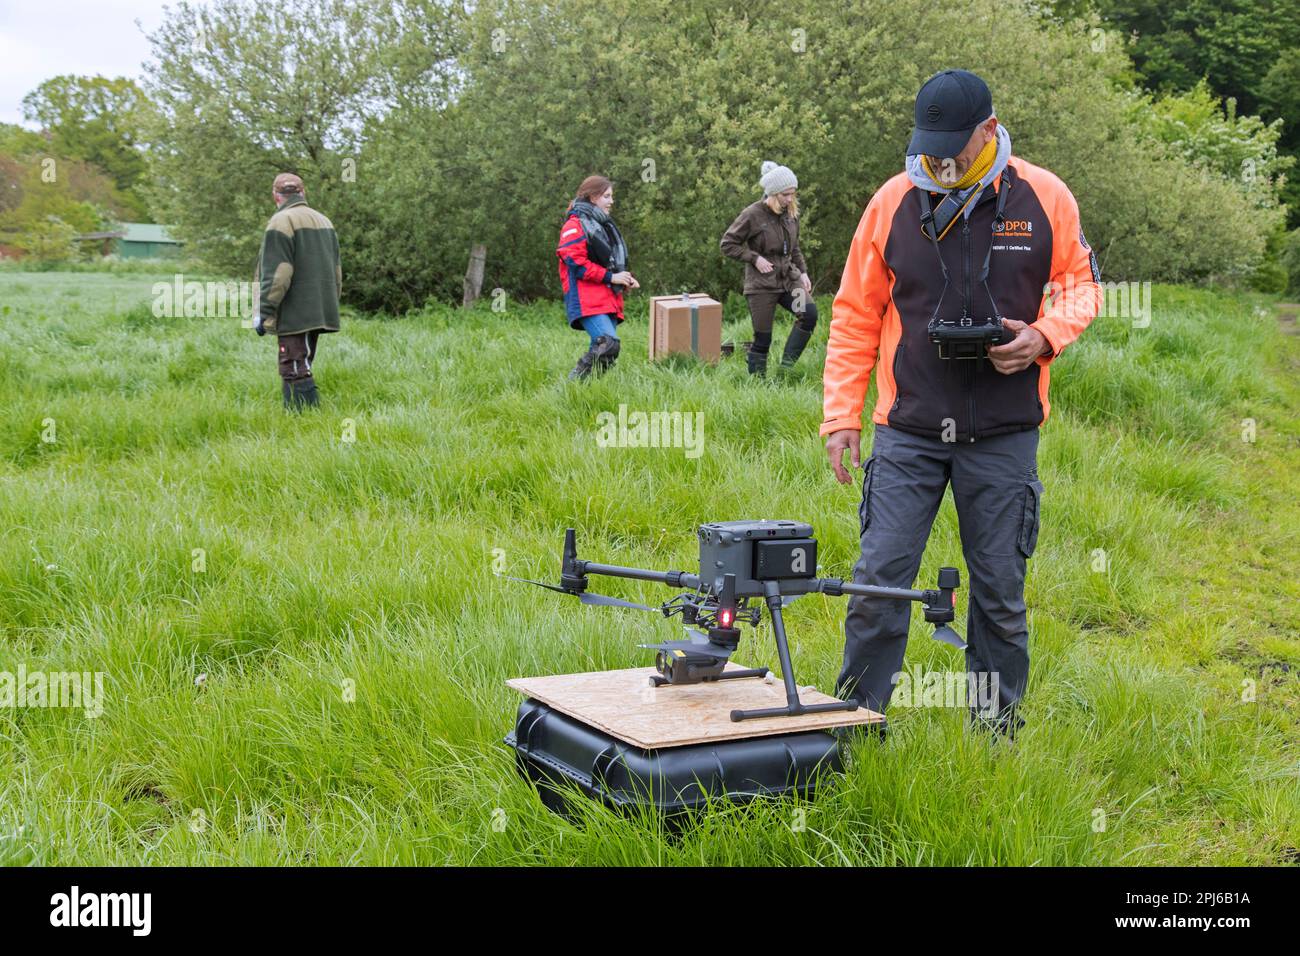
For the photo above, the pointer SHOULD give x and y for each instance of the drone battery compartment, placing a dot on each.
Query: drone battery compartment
(785, 558)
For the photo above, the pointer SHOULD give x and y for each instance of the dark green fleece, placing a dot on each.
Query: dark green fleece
(300, 274)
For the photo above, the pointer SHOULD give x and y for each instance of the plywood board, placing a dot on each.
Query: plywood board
(623, 705)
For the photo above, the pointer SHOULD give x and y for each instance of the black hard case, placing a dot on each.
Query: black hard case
(554, 750)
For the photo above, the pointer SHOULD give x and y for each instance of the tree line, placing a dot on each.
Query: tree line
(424, 127)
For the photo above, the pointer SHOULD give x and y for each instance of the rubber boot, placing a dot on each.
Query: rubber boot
(300, 393)
(307, 393)
(602, 353)
(582, 370)
(606, 359)
(795, 345)
(757, 361)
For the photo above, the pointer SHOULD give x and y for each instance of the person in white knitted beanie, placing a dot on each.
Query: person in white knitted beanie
(765, 236)
(777, 179)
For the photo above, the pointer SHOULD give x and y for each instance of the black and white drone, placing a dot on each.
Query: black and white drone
(775, 561)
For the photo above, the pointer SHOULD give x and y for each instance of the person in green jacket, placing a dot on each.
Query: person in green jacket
(300, 280)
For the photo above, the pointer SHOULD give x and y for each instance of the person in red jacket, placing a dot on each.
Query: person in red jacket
(593, 273)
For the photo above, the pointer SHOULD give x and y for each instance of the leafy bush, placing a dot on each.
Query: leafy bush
(1210, 135)
(48, 240)
(476, 126)
(46, 199)
(1291, 261)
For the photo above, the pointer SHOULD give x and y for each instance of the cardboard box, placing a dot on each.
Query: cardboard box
(686, 323)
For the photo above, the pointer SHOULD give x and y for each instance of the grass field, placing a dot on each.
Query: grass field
(332, 576)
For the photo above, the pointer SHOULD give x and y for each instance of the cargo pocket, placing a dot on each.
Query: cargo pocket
(1029, 518)
(864, 508)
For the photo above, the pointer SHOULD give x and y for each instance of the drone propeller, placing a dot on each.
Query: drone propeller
(540, 584)
(602, 600)
(948, 636)
(599, 600)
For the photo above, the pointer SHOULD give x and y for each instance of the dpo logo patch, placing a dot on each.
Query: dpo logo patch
(1015, 228)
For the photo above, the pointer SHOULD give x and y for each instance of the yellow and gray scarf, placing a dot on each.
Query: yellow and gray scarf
(962, 195)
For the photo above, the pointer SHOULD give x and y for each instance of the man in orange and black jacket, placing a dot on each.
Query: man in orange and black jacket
(967, 233)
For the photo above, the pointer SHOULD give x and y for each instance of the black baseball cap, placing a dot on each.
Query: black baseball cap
(948, 108)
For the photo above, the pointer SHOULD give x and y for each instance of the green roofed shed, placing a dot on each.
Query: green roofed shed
(144, 240)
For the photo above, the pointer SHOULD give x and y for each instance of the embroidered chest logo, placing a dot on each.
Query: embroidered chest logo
(1015, 229)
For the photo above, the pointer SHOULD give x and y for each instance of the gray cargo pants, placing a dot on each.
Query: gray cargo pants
(997, 492)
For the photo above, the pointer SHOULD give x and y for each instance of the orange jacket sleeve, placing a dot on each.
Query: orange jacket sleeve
(856, 317)
(1075, 296)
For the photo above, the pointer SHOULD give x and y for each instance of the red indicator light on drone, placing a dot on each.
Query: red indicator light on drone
(954, 599)
(724, 617)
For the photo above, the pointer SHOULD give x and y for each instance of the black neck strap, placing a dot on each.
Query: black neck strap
(999, 220)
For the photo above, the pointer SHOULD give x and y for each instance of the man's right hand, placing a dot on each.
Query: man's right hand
(762, 265)
(836, 443)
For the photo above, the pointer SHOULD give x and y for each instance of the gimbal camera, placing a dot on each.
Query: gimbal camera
(774, 562)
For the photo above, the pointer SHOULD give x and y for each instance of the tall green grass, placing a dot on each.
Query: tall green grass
(356, 641)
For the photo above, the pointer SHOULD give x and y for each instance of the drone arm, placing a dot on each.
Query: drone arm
(676, 579)
(574, 571)
(938, 602)
(836, 587)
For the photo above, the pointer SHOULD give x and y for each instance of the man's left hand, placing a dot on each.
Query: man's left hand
(1020, 352)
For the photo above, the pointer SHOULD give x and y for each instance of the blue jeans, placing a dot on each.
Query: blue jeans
(598, 325)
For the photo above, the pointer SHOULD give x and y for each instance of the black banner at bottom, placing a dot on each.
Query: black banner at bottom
(333, 906)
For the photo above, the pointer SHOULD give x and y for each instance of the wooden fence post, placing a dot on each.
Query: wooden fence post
(474, 274)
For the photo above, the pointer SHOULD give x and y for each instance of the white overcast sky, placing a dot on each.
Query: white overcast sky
(44, 38)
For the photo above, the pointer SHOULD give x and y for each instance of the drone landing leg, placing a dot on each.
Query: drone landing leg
(794, 707)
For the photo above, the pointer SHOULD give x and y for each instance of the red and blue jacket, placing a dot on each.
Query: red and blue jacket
(587, 289)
